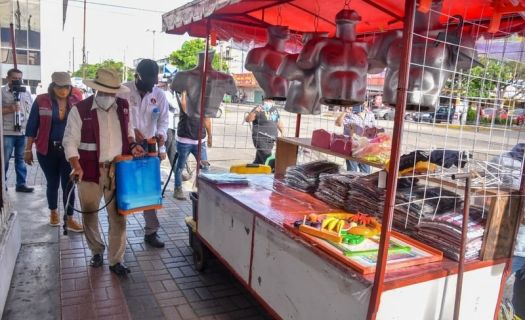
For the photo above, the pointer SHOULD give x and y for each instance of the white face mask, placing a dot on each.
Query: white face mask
(105, 102)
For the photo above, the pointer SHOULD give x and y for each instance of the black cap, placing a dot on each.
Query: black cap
(148, 69)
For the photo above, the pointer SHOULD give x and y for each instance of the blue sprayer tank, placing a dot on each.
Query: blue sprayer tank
(138, 184)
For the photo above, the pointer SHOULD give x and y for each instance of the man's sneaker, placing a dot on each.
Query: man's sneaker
(54, 218)
(153, 240)
(96, 261)
(179, 194)
(73, 226)
(119, 269)
(24, 189)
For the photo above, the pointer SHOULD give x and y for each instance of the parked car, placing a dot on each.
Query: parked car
(443, 114)
(489, 113)
(382, 113)
(422, 116)
(517, 116)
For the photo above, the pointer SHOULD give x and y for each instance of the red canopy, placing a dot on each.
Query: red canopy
(247, 19)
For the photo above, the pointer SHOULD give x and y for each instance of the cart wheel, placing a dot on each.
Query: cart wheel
(200, 254)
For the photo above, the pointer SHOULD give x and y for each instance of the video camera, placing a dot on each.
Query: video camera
(17, 88)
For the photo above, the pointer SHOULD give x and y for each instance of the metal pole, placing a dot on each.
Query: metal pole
(203, 95)
(73, 57)
(408, 26)
(297, 125)
(464, 231)
(84, 44)
(153, 56)
(13, 44)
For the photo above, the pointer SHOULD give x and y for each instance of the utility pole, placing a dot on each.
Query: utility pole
(73, 57)
(84, 44)
(153, 33)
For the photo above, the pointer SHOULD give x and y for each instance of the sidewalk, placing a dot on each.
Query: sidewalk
(52, 278)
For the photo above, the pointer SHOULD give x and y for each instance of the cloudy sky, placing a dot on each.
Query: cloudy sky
(113, 32)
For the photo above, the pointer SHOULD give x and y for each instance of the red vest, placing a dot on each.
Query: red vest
(45, 114)
(90, 136)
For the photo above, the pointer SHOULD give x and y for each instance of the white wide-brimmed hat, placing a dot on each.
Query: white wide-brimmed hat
(106, 80)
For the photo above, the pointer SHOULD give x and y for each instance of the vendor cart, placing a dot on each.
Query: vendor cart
(249, 228)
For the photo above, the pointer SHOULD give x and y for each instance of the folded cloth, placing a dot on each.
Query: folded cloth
(444, 232)
(224, 178)
(305, 177)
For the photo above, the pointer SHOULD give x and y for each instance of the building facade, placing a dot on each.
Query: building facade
(25, 17)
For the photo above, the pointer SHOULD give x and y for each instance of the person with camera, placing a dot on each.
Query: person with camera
(45, 127)
(16, 103)
(149, 116)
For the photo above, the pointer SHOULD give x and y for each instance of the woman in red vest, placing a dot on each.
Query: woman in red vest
(45, 127)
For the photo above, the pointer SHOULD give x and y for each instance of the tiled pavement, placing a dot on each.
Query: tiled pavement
(163, 283)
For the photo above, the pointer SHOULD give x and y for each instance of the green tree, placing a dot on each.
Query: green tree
(187, 56)
(484, 81)
(91, 69)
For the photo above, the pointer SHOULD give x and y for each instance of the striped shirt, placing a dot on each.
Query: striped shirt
(356, 123)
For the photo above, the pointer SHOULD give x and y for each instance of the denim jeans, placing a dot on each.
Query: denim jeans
(56, 169)
(517, 263)
(16, 143)
(357, 167)
(184, 150)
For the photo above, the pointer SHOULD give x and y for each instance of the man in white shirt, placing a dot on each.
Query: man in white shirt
(174, 110)
(149, 117)
(98, 129)
(16, 105)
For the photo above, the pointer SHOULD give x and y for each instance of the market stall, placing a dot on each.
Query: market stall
(313, 243)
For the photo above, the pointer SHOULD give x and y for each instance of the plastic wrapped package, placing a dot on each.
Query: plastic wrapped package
(373, 150)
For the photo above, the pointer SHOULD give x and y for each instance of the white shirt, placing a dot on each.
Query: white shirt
(109, 132)
(26, 101)
(150, 114)
(174, 110)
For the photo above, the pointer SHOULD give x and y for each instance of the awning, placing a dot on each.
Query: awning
(246, 19)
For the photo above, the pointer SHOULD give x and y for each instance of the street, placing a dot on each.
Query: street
(232, 141)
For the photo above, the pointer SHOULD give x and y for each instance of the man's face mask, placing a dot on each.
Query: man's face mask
(267, 106)
(61, 92)
(144, 85)
(104, 102)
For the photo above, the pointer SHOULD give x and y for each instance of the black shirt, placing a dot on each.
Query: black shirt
(266, 122)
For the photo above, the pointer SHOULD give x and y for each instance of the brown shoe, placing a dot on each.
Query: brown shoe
(73, 226)
(54, 218)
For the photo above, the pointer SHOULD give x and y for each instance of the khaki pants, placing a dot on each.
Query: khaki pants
(89, 194)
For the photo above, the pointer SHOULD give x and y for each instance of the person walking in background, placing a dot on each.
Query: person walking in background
(45, 127)
(98, 130)
(355, 122)
(188, 141)
(266, 123)
(173, 119)
(16, 103)
(149, 117)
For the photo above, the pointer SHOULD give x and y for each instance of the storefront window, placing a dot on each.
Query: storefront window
(21, 57)
(33, 24)
(6, 56)
(6, 13)
(33, 58)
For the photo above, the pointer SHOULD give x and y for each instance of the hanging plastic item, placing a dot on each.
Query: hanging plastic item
(217, 85)
(265, 61)
(340, 63)
(303, 95)
(437, 53)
